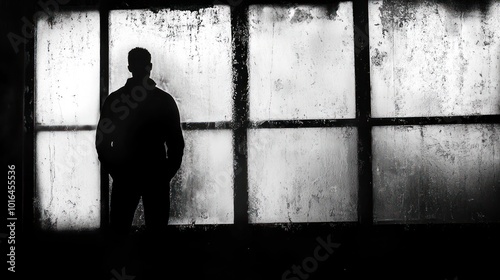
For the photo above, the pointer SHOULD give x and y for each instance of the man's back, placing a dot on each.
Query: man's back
(145, 119)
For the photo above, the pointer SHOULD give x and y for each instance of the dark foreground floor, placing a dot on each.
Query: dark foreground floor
(270, 252)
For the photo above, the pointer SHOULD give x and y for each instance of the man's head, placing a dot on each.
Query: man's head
(139, 62)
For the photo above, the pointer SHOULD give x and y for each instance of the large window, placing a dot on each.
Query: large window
(301, 68)
(430, 59)
(276, 108)
(67, 177)
(192, 60)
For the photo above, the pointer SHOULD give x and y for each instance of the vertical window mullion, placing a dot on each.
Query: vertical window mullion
(239, 30)
(363, 111)
(104, 87)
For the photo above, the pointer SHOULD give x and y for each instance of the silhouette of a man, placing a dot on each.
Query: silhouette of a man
(139, 142)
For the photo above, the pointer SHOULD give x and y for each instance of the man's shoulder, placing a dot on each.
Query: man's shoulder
(160, 94)
(115, 94)
(164, 95)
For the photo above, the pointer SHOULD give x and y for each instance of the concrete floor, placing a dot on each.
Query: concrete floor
(268, 252)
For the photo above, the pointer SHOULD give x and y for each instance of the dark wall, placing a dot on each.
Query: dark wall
(11, 84)
(11, 117)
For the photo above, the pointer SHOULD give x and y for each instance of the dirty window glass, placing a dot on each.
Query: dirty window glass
(430, 58)
(302, 175)
(67, 69)
(438, 173)
(191, 55)
(301, 62)
(67, 173)
(202, 191)
(192, 60)
(67, 94)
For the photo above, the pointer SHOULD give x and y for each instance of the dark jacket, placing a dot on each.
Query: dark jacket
(138, 123)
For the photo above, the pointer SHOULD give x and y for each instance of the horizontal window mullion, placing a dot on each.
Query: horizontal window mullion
(206, 125)
(484, 119)
(157, 5)
(195, 5)
(64, 127)
(307, 123)
(304, 123)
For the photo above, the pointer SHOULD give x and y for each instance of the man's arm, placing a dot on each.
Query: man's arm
(104, 127)
(175, 140)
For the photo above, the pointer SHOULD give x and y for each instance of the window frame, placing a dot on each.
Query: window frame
(240, 122)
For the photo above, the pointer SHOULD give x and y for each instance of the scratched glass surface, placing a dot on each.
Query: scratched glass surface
(67, 93)
(302, 175)
(67, 180)
(191, 55)
(434, 58)
(202, 191)
(301, 62)
(67, 69)
(438, 173)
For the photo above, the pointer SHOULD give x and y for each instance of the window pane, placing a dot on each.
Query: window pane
(430, 58)
(301, 62)
(441, 173)
(302, 175)
(202, 191)
(67, 69)
(191, 55)
(67, 180)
